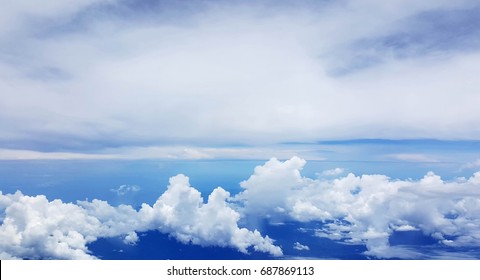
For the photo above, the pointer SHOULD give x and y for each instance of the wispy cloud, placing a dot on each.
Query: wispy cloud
(125, 189)
(300, 247)
(471, 165)
(413, 157)
(332, 172)
(168, 153)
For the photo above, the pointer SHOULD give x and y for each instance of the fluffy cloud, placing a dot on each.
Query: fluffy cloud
(180, 211)
(368, 209)
(268, 189)
(34, 228)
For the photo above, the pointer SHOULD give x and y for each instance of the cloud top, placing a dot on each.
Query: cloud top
(35, 228)
(368, 209)
(365, 209)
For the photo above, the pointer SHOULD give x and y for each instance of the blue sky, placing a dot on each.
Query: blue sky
(314, 113)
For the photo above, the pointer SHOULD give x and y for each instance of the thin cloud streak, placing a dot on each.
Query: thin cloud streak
(165, 153)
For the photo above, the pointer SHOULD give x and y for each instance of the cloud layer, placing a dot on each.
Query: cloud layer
(102, 74)
(35, 228)
(366, 209)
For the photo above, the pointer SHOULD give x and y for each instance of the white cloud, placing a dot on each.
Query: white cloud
(268, 188)
(405, 228)
(300, 247)
(131, 238)
(180, 211)
(332, 172)
(33, 227)
(367, 209)
(364, 209)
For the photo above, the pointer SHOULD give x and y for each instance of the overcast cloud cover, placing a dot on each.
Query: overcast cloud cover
(107, 78)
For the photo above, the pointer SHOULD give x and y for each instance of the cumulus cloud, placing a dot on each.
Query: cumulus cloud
(35, 228)
(368, 209)
(274, 180)
(365, 209)
(131, 238)
(180, 211)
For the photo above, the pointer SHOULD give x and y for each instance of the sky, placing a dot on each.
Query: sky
(352, 121)
(232, 79)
